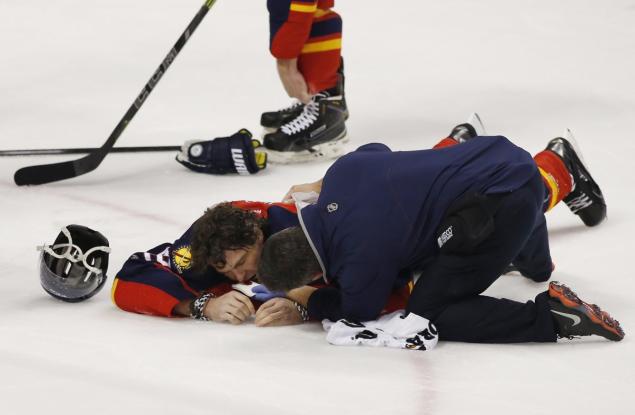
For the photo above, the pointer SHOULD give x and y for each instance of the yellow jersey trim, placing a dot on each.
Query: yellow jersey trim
(113, 289)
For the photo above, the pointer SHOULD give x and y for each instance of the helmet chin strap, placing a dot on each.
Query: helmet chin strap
(74, 253)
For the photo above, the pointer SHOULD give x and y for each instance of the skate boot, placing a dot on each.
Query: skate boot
(585, 199)
(273, 120)
(341, 87)
(468, 130)
(318, 132)
(574, 317)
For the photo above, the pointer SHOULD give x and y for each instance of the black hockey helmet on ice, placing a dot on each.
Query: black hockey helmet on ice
(74, 267)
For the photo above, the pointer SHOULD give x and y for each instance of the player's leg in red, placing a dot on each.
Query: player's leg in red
(318, 131)
(473, 127)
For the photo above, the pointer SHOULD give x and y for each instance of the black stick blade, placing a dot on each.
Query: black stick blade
(47, 173)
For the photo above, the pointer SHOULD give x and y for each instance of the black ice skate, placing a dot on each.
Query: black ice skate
(318, 132)
(273, 120)
(468, 130)
(586, 199)
(574, 317)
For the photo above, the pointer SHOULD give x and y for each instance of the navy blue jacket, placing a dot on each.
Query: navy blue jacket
(378, 212)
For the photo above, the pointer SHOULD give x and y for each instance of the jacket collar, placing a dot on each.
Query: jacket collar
(309, 217)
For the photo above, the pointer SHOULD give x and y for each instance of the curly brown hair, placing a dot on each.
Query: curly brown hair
(222, 227)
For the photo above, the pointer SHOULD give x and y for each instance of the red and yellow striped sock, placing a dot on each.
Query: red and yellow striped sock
(555, 175)
(320, 57)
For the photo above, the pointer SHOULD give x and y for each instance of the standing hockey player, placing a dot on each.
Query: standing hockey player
(306, 40)
(459, 214)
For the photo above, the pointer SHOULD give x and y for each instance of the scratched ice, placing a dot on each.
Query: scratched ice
(70, 69)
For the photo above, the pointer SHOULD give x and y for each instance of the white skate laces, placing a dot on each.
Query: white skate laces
(581, 202)
(295, 104)
(73, 253)
(308, 116)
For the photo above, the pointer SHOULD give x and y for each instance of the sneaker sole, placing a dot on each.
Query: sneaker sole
(326, 151)
(608, 327)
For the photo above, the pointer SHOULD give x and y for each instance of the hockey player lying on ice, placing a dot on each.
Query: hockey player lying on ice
(460, 215)
(206, 273)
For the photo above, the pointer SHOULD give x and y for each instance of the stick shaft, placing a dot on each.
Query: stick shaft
(58, 151)
(47, 173)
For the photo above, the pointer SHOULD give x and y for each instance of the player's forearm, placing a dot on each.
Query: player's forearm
(325, 302)
(317, 185)
(287, 65)
(292, 80)
(138, 297)
(301, 295)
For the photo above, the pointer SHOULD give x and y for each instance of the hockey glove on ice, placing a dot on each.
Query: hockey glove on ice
(235, 154)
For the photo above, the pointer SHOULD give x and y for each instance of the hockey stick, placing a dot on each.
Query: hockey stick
(56, 151)
(47, 173)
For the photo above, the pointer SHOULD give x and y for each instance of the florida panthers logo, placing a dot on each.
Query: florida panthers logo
(182, 258)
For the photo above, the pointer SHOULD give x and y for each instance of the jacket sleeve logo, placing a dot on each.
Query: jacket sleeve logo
(182, 258)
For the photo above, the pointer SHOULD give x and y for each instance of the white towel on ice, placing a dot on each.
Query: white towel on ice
(391, 330)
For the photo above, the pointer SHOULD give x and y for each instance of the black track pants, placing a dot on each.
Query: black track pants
(449, 290)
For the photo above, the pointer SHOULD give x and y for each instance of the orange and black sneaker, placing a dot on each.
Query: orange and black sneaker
(575, 317)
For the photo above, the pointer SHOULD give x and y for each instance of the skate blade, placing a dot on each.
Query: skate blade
(475, 121)
(326, 151)
(568, 135)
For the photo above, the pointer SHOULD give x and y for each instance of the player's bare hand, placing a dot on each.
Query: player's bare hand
(233, 307)
(305, 187)
(278, 312)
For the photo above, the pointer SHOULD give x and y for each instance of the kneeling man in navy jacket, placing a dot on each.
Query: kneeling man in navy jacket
(457, 215)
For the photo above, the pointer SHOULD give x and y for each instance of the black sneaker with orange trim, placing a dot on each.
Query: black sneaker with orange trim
(574, 317)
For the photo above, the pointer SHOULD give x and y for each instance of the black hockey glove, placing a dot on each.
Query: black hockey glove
(235, 154)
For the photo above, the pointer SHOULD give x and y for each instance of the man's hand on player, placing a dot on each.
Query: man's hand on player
(278, 312)
(232, 307)
(305, 188)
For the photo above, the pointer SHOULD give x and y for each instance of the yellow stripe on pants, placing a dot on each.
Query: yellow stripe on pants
(333, 44)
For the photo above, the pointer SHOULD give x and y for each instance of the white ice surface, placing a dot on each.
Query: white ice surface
(70, 69)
